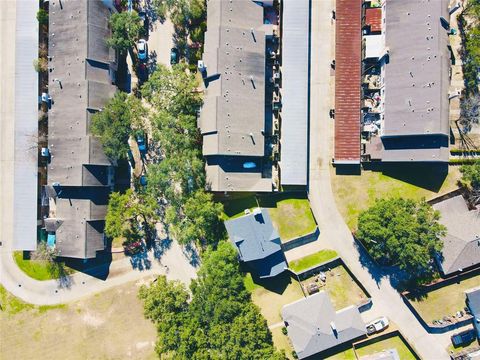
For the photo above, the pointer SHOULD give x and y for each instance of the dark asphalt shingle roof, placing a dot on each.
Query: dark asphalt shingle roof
(461, 245)
(311, 322)
(257, 242)
(254, 235)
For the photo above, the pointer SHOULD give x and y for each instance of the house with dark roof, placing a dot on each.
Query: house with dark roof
(314, 326)
(81, 81)
(473, 302)
(461, 244)
(258, 243)
(236, 118)
(405, 82)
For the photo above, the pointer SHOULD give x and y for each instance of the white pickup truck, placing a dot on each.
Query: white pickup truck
(377, 325)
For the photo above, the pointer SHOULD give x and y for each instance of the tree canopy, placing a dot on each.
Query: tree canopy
(126, 211)
(471, 174)
(113, 125)
(219, 322)
(126, 27)
(401, 232)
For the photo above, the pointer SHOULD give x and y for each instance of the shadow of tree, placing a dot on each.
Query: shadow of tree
(192, 255)
(140, 261)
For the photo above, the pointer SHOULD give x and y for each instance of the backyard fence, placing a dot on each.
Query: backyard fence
(301, 240)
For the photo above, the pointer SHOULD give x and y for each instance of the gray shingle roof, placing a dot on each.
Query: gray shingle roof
(80, 60)
(257, 242)
(235, 102)
(314, 325)
(416, 76)
(232, 120)
(461, 247)
(80, 83)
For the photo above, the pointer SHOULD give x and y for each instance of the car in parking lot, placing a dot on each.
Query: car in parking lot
(174, 56)
(142, 48)
(377, 325)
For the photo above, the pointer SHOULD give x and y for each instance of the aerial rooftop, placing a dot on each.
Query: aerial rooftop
(314, 326)
(232, 120)
(461, 245)
(233, 116)
(81, 77)
(295, 91)
(347, 81)
(79, 84)
(257, 242)
(416, 74)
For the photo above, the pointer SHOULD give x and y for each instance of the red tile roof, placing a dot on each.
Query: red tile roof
(347, 80)
(373, 17)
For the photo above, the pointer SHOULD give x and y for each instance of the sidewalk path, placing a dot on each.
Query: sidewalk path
(334, 233)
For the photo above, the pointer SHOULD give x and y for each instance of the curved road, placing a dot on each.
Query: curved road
(334, 233)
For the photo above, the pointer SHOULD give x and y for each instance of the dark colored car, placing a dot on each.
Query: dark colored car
(174, 56)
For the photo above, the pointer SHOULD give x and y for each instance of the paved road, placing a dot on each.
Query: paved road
(174, 263)
(334, 232)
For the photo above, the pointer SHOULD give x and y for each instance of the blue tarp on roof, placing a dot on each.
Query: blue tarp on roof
(51, 239)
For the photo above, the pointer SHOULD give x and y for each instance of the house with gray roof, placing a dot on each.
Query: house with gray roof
(473, 302)
(409, 110)
(314, 326)
(258, 243)
(233, 117)
(461, 245)
(81, 81)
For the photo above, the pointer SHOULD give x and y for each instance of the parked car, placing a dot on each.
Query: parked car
(142, 48)
(174, 56)
(377, 325)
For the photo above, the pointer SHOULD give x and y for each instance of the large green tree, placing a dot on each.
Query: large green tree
(114, 124)
(220, 321)
(471, 175)
(401, 232)
(126, 211)
(198, 221)
(126, 27)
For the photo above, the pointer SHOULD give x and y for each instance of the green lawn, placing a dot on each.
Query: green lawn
(344, 355)
(341, 288)
(356, 193)
(38, 269)
(392, 343)
(444, 301)
(290, 213)
(313, 259)
(282, 342)
(271, 295)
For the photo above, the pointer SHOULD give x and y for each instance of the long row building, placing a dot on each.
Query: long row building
(254, 120)
(81, 80)
(392, 81)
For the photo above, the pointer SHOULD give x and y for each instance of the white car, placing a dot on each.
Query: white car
(142, 48)
(377, 325)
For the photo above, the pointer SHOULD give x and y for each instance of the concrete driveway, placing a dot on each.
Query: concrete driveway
(334, 233)
(160, 42)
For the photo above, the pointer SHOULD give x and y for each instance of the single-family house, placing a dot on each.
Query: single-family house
(258, 243)
(315, 326)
